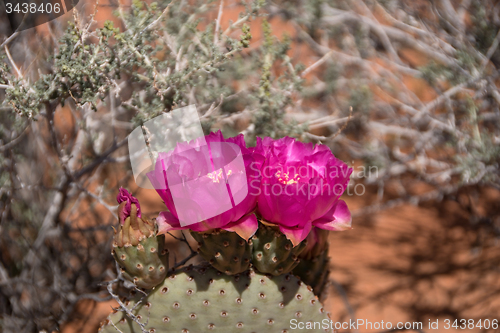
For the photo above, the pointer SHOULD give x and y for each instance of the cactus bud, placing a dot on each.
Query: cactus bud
(133, 228)
(137, 248)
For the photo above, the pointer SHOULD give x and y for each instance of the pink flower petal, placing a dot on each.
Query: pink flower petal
(338, 218)
(167, 221)
(300, 182)
(244, 227)
(296, 235)
(124, 210)
(209, 182)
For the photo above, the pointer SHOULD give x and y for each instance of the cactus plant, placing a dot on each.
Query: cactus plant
(246, 285)
(200, 299)
(273, 253)
(224, 250)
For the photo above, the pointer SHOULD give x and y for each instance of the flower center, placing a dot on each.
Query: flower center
(284, 178)
(217, 175)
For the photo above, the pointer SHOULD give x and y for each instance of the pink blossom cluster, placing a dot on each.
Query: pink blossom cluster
(287, 183)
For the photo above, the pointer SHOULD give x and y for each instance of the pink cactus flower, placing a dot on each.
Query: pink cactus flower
(205, 184)
(301, 186)
(125, 200)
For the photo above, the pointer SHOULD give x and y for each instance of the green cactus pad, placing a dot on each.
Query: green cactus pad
(314, 272)
(144, 264)
(225, 250)
(273, 253)
(201, 299)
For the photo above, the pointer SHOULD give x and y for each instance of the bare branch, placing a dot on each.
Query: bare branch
(217, 22)
(8, 40)
(19, 74)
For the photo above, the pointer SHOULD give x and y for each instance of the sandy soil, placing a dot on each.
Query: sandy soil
(414, 264)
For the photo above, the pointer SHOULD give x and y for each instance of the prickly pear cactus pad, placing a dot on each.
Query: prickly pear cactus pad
(314, 272)
(313, 268)
(201, 299)
(225, 250)
(273, 253)
(144, 264)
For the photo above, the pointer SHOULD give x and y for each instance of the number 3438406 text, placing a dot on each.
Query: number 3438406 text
(26, 7)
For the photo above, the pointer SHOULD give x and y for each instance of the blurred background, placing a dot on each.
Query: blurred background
(405, 92)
